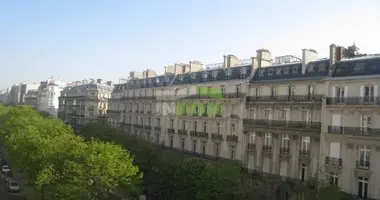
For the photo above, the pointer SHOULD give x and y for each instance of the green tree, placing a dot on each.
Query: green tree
(351, 51)
(59, 164)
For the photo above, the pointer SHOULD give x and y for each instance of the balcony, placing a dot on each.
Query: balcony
(216, 136)
(363, 169)
(232, 138)
(170, 130)
(355, 131)
(306, 126)
(148, 127)
(109, 111)
(138, 126)
(285, 99)
(333, 161)
(233, 95)
(202, 134)
(182, 132)
(157, 128)
(193, 134)
(267, 150)
(251, 147)
(149, 112)
(284, 152)
(140, 98)
(370, 100)
(305, 156)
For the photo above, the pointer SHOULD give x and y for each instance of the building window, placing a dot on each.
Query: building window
(362, 187)
(285, 141)
(194, 145)
(363, 157)
(218, 128)
(273, 91)
(252, 137)
(182, 143)
(183, 125)
(233, 129)
(149, 121)
(238, 89)
(233, 150)
(171, 141)
(268, 139)
(369, 94)
(203, 147)
(365, 124)
(334, 179)
(204, 127)
(223, 89)
(195, 126)
(305, 143)
(172, 123)
(217, 149)
(303, 172)
(340, 92)
(158, 122)
(310, 90)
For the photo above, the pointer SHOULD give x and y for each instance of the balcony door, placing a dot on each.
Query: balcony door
(364, 157)
(365, 124)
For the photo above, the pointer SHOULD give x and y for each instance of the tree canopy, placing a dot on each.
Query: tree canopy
(174, 176)
(60, 164)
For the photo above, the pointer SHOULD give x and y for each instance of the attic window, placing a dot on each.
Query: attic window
(137, 82)
(228, 72)
(341, 68)
(278, 71)
(243, 70)
(181, 77)
(270, 72)
(322, 67)
(167, 79)
(193, 76)
(359, 67)
(205, 74)
(215, 73)
(157, 80)
(261, 72)
(310, 68)
(286, 70)
(295, 70)
(376, 65)
(150, 81)
(144, 81)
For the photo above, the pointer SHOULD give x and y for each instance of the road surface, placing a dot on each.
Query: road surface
(4, 195)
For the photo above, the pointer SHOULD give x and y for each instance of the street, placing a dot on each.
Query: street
(4, 195)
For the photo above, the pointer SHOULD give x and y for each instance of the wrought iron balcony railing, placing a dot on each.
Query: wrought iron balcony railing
(356, 131)
(233, 95)
(305, 153)
(369, 100)
(157, 128)
(216, 136)
(282, 123)
(361, 164)
(251, 146)
(284, 150)
(232, 138)
(171, 130)
(333, 161)
(285, 98)
(182, 132)
(267, 148)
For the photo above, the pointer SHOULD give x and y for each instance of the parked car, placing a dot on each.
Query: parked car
(13, 186)
(5, 168)
(8, 176)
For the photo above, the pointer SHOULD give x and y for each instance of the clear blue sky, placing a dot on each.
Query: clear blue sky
(79, 39)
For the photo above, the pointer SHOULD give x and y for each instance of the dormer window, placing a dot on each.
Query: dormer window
(228, 72)
(181, 77)
(157, 80)
(359, 67)
(310, 68)
(215, 73)
(295, 70)
(167, 79)
(322, 67)
(205, 74)
(243, 70)
(137, 82)
(278, 71)
(261, 72)
(286, 70)
(150, 81)
(270, 72)
(193, 76)
(144, 81)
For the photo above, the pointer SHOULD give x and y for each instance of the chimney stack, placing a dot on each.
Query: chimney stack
(109, 83)
(99, 81)
(308, 55)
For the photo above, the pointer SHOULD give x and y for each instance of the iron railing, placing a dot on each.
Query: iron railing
(285, 98)
(356, 131)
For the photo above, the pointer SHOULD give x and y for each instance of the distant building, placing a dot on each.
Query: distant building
(47, 97)
(24, 90)
(30, 98)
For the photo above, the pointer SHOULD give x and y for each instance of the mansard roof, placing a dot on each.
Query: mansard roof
(96, 86)
(292, 71)
(204, 76)
(354, 67)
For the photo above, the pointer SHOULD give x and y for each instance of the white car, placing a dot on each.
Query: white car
(5, 169)
(13, 186)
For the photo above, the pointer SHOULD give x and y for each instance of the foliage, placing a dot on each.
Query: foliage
(58, 163)
(175, 176)
(351, 51)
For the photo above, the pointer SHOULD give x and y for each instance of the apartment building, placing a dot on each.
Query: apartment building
(48, 94)
(82, 104)
(292, 117)
(31, 98)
